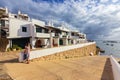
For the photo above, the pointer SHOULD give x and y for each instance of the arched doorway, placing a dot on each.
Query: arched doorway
(38, 43)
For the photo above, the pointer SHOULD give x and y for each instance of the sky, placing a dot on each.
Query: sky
(99, 19)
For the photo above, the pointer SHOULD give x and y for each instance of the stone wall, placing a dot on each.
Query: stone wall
(73, 53)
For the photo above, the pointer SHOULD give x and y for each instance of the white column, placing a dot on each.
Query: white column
(58, 42)
(32, 42)
(74, 41)
(10, 43)
(51, 39)
(8, 46)
(66, 41)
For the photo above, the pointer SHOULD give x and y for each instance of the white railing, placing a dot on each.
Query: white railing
(49, 51)
(43, 35)
(53, 34)
(75, 37)
(115, 68)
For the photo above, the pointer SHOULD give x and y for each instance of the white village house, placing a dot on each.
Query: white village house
(20, 29)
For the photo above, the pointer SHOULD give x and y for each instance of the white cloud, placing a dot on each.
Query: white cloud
(104, 1)
(96, 18)
(115, 0)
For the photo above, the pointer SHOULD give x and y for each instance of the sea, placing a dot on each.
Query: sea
(111, 47)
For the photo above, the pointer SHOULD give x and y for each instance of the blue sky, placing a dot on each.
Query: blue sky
(99, 19)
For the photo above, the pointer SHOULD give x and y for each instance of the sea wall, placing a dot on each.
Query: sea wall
(73, 51)
(115, 68)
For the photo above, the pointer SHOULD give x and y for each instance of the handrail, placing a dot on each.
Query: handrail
(115, 68)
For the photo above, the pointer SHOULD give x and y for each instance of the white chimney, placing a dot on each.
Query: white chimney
(19, 12)
(6, 9)
(50, 23)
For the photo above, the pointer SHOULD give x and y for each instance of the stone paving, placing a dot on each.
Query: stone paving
(84, 68)
(5, 58)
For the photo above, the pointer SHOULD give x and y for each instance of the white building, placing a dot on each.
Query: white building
(19, 30)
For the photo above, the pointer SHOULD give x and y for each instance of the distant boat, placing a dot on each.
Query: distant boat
(102, 51)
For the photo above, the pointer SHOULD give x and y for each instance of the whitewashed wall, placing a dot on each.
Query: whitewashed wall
(49, 51)
(38, 22)
(42, 35)
(15, 28)
(56, 41)
(115, 68)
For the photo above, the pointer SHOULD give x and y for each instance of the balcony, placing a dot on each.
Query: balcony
(65, 36)
(74, 37)
(42, 35)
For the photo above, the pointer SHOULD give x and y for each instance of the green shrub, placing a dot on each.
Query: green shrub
(16, 47)
(9, 49)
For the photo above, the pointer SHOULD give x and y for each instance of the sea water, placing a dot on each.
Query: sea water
(111, 47)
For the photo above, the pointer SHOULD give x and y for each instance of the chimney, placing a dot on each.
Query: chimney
(19, 12)
(6, 9)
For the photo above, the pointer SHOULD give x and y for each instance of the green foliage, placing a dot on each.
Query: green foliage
(9, 49)
(16, 47)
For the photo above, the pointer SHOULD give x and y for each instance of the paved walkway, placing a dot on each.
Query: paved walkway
(84, 68)
(6, 58)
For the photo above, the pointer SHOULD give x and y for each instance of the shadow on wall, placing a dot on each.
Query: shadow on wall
(107, 72)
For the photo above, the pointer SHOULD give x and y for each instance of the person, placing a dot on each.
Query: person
(26, 53)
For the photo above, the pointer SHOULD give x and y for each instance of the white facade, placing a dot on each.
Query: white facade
(38, 22)
(20, 26)
(16, 26)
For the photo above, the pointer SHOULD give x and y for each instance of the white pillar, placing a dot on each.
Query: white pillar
(66, 41)
(51, 40)
(58, 39)
(10, 42)
(32, 42)
(8, 46)
(74, 41)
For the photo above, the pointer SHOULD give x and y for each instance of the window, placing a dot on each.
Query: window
(24, 29)
(39, 29)
(15, 16)
(2, 22)
(46, 30)
(73, 34)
